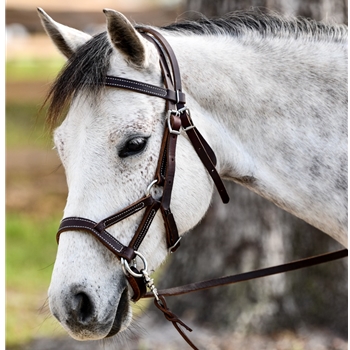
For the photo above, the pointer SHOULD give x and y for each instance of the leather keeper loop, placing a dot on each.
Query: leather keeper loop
(172, 234)
(138, 286)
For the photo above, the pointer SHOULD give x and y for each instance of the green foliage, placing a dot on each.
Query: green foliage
(30, 254)
(25, 126)
(30, 241)
(30, 250)
(33, 69)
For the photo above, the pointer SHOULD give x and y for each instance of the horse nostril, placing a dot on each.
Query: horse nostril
(82, 307)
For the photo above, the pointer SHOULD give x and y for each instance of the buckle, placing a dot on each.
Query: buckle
(176, 114)
(190, 121)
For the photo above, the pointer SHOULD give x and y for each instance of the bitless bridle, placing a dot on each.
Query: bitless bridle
(178, 118)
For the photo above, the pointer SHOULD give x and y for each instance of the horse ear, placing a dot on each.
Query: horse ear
(66, 39)
(125, 38)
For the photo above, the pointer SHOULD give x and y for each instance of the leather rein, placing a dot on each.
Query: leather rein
(177, 117)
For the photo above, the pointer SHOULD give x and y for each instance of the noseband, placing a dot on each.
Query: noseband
(178, 118)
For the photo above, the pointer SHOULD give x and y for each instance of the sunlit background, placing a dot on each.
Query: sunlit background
(35, 183)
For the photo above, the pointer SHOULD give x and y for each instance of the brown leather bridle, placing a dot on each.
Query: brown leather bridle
(177, 117)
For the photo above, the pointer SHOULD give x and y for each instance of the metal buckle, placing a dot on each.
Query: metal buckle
(186, 109)
(169, 113)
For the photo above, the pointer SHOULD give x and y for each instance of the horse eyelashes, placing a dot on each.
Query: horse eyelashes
(133, 146)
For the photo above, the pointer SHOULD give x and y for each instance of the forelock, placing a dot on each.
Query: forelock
(85, 70)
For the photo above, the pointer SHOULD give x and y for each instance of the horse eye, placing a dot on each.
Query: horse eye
(133, 146)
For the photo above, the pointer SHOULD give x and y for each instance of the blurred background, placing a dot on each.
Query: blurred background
(299, 310)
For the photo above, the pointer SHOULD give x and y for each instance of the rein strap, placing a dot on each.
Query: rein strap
(246, 276)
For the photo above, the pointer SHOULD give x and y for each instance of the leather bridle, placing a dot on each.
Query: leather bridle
(177, 117)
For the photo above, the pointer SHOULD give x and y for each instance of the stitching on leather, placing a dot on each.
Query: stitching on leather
(145, 227)
(98, 234)
(77, 218)
(128, 212)
(143, 87)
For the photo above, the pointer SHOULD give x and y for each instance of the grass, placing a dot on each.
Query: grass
(30, 253)
(25, 119)
(33, 69)
(30, 243)
(25, 126)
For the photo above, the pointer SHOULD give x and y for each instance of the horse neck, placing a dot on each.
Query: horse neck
(275, 113)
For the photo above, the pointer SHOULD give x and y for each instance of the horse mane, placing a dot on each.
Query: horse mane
(255, 22)
(87, 68)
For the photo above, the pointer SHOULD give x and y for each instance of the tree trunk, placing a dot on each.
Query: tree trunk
(250, 233)
(247, 234)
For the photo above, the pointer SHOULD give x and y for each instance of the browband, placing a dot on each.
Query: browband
(144, 88)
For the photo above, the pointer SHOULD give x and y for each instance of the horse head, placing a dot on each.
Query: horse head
(109, 144)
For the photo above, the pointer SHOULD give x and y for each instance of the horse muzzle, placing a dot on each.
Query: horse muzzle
(83, 313)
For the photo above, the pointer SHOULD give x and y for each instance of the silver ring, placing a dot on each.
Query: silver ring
(148, 190)
(126, 266)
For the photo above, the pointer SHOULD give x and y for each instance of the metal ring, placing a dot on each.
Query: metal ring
(126, 265)
(148, 189)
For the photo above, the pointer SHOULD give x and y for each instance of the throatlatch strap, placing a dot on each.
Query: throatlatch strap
(202, 148)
